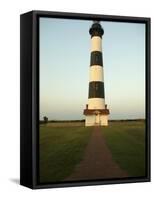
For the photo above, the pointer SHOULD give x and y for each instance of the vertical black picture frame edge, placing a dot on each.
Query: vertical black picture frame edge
(26, 147)
(148, 96)
(33, 75)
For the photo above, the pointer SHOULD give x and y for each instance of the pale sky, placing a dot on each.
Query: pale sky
(64, 68)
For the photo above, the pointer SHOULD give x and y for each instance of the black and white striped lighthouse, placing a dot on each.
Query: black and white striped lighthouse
(96, 111)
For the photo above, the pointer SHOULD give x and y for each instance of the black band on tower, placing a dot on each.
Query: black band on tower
(96, 89)
(96, 58)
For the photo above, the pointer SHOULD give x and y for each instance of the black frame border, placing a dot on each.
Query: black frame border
(29, 136)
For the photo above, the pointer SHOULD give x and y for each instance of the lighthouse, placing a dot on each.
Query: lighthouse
(96, 111)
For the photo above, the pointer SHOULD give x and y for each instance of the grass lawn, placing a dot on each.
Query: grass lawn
(126, 141)
(61, 148)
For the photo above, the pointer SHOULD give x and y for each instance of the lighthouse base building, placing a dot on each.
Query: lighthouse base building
(96, 117)
(96, 111)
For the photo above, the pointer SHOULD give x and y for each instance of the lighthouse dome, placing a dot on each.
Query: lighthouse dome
(96, 30)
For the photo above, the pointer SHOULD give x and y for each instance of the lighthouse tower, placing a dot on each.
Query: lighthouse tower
(96, 111)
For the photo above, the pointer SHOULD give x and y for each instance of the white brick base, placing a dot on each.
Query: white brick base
(96, 120)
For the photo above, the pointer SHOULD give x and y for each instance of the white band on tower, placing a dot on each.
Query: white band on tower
(96, 103)
(96, 43)
(96, 73)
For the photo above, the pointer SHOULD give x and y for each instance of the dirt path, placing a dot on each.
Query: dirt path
(97, 162)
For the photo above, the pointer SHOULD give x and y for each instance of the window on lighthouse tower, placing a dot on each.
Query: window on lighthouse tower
(96, 87)
(97, 58)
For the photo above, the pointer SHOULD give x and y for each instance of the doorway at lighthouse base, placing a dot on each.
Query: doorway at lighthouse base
(96, 117)
(96, 120)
